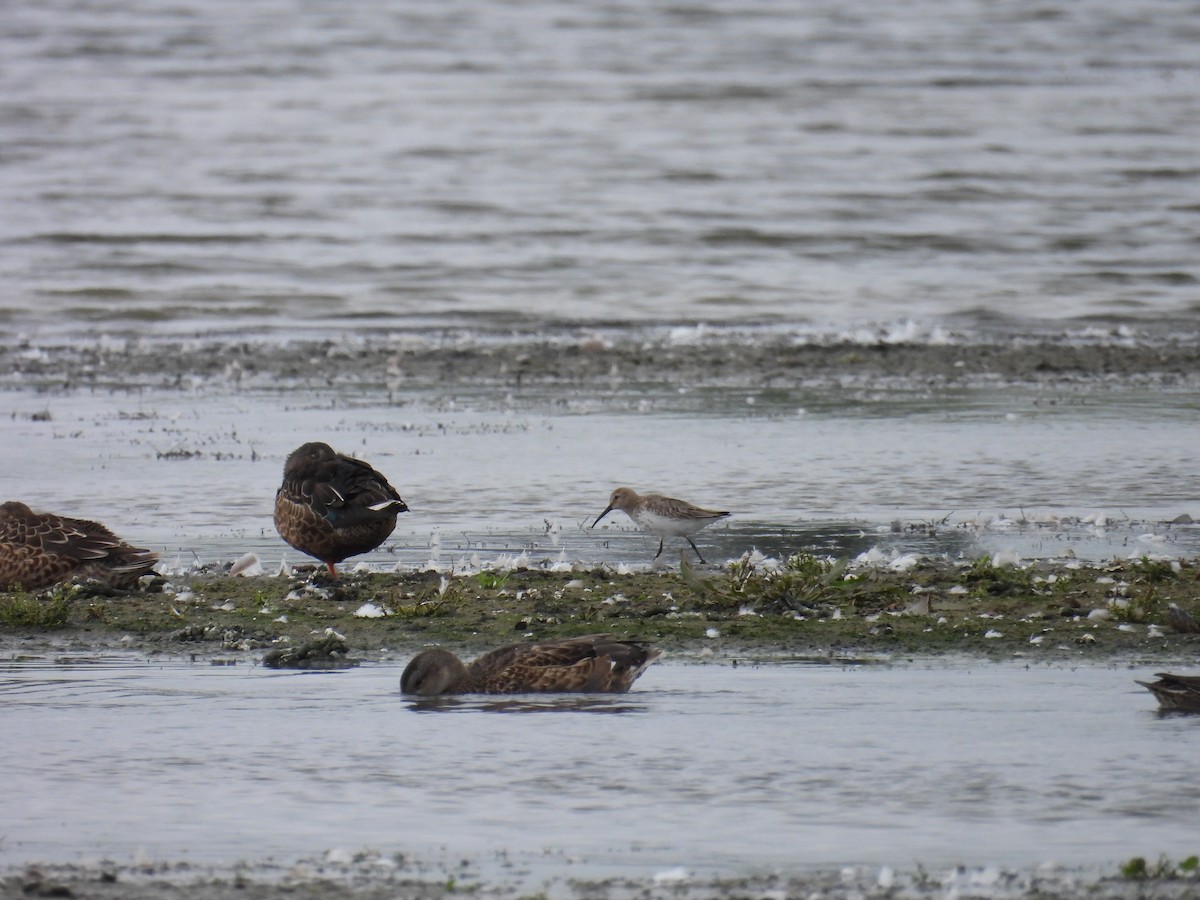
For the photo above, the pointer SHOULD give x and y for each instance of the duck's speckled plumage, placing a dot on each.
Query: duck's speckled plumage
(592, 664)
(41, 549)
(662, 516)
(1175, 692)
(332, 506)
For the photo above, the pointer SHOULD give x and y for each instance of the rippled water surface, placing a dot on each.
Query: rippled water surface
(240, 170)
(222, 163)
(706, 766)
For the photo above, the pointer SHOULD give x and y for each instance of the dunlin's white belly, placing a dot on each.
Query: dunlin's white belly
(670, 525)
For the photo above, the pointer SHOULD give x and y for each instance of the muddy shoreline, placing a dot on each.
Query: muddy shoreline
(803, 608)
(372, 877)
(578, 359)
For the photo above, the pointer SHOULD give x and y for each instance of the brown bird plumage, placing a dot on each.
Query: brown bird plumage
(41, 549)
(594, 664)
(1175, 692)
(332, 506)
(662, 516)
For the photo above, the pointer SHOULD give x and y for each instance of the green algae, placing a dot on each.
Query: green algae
(21, 610)
(806, 606)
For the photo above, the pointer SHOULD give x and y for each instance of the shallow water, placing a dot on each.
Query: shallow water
(192, 474)
(705, 766)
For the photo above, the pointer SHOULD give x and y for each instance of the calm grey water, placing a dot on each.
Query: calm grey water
(261, 166)
(707, 767)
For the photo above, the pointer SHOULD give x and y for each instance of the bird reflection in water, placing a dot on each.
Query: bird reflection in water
(527, 704)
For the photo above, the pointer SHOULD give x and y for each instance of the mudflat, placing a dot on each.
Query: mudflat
(803, 607)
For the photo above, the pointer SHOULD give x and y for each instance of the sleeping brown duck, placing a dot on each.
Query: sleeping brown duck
(333, 506)
(41, 549)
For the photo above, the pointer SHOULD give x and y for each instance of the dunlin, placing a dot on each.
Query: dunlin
(41, 549)
(596, 663)
(332, 506)
(661, 516)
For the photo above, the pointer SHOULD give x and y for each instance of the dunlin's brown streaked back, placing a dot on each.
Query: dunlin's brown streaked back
(662, 516)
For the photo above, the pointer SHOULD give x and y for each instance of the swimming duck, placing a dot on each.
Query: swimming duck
(332, 506)
(661, 516)
(41, 549)
(596, 663)
(1175, 692)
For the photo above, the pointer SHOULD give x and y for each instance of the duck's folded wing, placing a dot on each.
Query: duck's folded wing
(591, 663)
(73, 538)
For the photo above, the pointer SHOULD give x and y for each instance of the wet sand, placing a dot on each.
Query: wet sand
(603, 359)
(372, 877)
